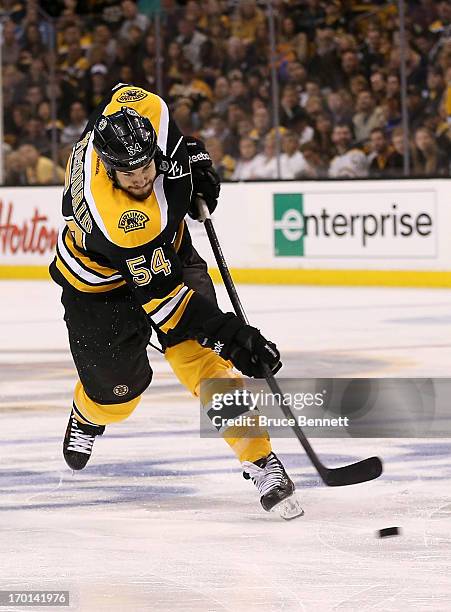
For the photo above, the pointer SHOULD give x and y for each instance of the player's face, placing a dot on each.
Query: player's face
(139, 182)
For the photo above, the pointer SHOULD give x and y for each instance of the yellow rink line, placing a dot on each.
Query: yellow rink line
(272, 276)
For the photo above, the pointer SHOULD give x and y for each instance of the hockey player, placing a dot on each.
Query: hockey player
(131, 276)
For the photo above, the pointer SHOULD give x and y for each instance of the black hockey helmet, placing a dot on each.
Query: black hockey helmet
(124, 140)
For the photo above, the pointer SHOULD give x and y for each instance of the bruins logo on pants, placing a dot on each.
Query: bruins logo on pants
(132, 95)
(132, 220)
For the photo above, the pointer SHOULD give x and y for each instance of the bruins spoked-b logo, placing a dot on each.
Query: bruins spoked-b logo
(132, 95)
(132, 220)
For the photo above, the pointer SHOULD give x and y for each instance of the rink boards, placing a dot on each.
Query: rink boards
(382, 233)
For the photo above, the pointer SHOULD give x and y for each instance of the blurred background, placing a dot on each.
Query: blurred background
(279, 89)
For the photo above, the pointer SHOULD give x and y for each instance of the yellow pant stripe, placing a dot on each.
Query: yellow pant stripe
(101, 414)
(192, 363)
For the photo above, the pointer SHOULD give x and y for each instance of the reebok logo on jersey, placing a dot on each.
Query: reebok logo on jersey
(132, 220)
(132, 95)
(199, 157)
(218, 347)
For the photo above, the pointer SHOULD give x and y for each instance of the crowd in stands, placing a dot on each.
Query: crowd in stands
(337, 64)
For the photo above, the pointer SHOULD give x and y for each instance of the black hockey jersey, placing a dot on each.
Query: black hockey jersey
(110, 239)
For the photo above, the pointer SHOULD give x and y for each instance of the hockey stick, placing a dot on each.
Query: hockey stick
(362, 471)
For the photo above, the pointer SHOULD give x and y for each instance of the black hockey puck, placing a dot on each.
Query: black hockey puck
(389, 531)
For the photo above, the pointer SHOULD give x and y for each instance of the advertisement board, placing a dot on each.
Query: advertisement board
(325, 232)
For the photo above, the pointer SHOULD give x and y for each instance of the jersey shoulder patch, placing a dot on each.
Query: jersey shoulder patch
(132, 95)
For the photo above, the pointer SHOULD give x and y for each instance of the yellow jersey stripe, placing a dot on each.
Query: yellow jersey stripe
(175, 318)
(151, 306)
(79, 284)
(88, 263)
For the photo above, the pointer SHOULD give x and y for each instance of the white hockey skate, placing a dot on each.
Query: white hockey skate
(274, 485)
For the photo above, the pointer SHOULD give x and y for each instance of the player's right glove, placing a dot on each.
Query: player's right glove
(242, 344)
(206, 182)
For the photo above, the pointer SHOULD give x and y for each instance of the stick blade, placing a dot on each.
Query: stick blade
(362, 471)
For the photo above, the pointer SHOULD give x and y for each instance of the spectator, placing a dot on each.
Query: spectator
(39, 170)
(14, 169)
(244, 169)
(222, 95)
(173, 58)
(289, 104)
(379, 153)
(292, 162)
(292, 45)
(15, 123)
(395, 161)
(262, 124)
(415, 106)
(147, 74)
(74, 64)
(393, 86)
(434, 91)
(367, 117)
(316, 167)
(202, 118)
(428, 159)
(77, 123)
(35, 134)
(97, 86)
(73, 34)
(189, 85)
(246, 20)
(323, 136)
(183, 115)
(339, 107)
(45, 115)
(324, 63)
(131, 18)
(10, 47)
(378, 86)
(265, 163)
(391, 108)
(236, 57)
(296, 75)
(357, 83)
(191, 41)
(373, 49)
(224, 164)
(103, 39)
(33, 98)
(213, 51)
(334, 18)
(349, 162)
(299, 124)
(31, 40)
(350, 66)
(239, 92)
(310, 16)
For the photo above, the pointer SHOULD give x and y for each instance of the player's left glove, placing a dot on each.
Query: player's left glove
(206, 182)
(243, 344)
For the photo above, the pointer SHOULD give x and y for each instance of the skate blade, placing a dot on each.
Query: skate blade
(289, 508)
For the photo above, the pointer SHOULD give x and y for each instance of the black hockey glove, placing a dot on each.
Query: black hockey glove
(242, 344)
(206, 182)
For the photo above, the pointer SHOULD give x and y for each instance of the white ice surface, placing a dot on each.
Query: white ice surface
(163, 521)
